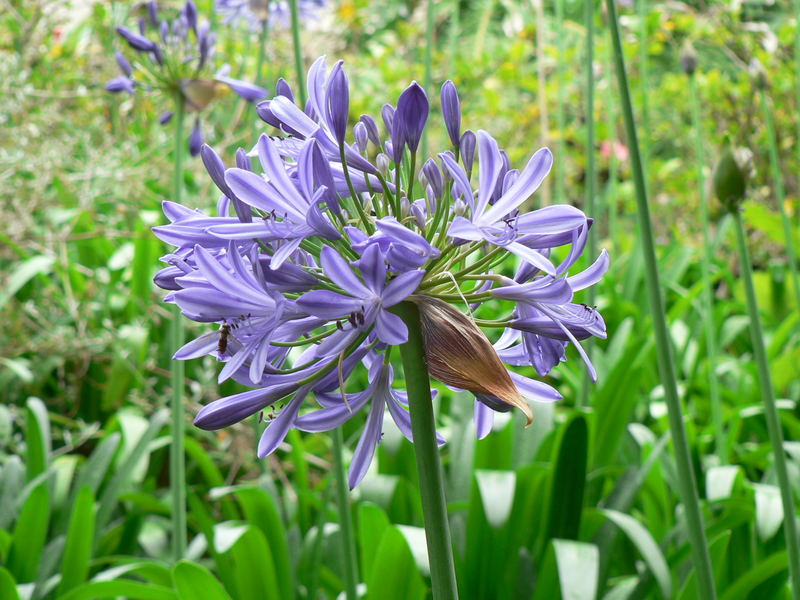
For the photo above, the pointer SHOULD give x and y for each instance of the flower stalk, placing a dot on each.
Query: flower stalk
(345, 517)
(777, 182)
(434, 507)
(687, 485)
(298, 51)
(177, 462)
(770, 409)
(583, 398)
(708, 291)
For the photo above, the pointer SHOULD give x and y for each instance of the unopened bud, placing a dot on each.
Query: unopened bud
(758, 74)
(688, 59)
(733, 170)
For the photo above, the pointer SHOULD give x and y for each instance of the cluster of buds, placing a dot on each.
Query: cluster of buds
(258, 13)
(313, 246)
(174, 58)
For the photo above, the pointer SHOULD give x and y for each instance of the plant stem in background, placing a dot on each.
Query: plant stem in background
(777, 182)
(544, 133)
(263, 35)
(455, 27)
(770, 410)
(708, 259)
(429, 24)
(687, 485)
(560, 113)
(423, 429)
(588, 7)
(350, 559)
(644, 72)
(611, 187)
(299, 67)
(177, 466)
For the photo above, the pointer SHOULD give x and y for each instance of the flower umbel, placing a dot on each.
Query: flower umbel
(311, 248)
(173, 57)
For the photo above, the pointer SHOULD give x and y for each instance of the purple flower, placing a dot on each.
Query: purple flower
(299, 271)
(195, 139)
(121, 84)
(136, 41)
(368, 300)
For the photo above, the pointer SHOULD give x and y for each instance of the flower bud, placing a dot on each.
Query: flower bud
(195, 139)
(372, 129)
(412, 112)
(468, 141)
(688, 59)
(337, 101)
(758, 74)
(733, 170)
(459, 354)
(382, 162)
(451, 110)
(284, 89)
(360, 133)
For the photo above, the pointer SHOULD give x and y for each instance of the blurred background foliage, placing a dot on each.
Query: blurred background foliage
(581, 505)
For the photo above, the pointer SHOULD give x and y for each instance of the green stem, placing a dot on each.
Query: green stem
(780, 197)
(345, 517)
(583, 398)
(687, 484)
(770, 411)
(644, 71)
(262, 51)
(177, 463)
(455, 27)
(611, 188)
(708, 260)
(429, 24)
(560, 110)
(423, 429)
(298, 53)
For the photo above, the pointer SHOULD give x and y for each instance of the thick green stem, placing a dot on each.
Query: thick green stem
(583, 399)
(780, 197)
(770, 411)
(177, 465)
(708, 260)
(423, 429)
(299, 67)
(560, 194)
(644, 71)
(429, 24)
(687, 485)
(345, 517)
(611, 203)
(455, 26)
(262, 51)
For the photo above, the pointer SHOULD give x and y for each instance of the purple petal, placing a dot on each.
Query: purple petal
(484, 419)
(412, 113)
(337, 101)
(529, 180)
(244, 89)
(362, 457)
(401, 287)
(489, 167)
(591, 275)
(195, 139)
(451, 110)
(328, 305)
(341, 274)
(390, 328)
(468, 141)
(275, 433)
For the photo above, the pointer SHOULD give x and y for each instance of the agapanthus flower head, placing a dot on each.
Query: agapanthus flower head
(173, 58)
(255, 13)
(319, 238)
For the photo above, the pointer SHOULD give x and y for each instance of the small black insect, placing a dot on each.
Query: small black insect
(224, 332)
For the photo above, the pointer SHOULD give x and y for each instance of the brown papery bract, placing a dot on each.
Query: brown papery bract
(459, 354)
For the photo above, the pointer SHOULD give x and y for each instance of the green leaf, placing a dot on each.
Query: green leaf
(12, 479)
(394, 574)
(193, 581)
(767, 568)
(372, 523)
(30, 532)
(569, 571)
(8, 587)
(80, 539)
(568, 481)
(134, 590)
(245, 563)
(37, 438)
(647, 547)
(22, 274)
(124, 472)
